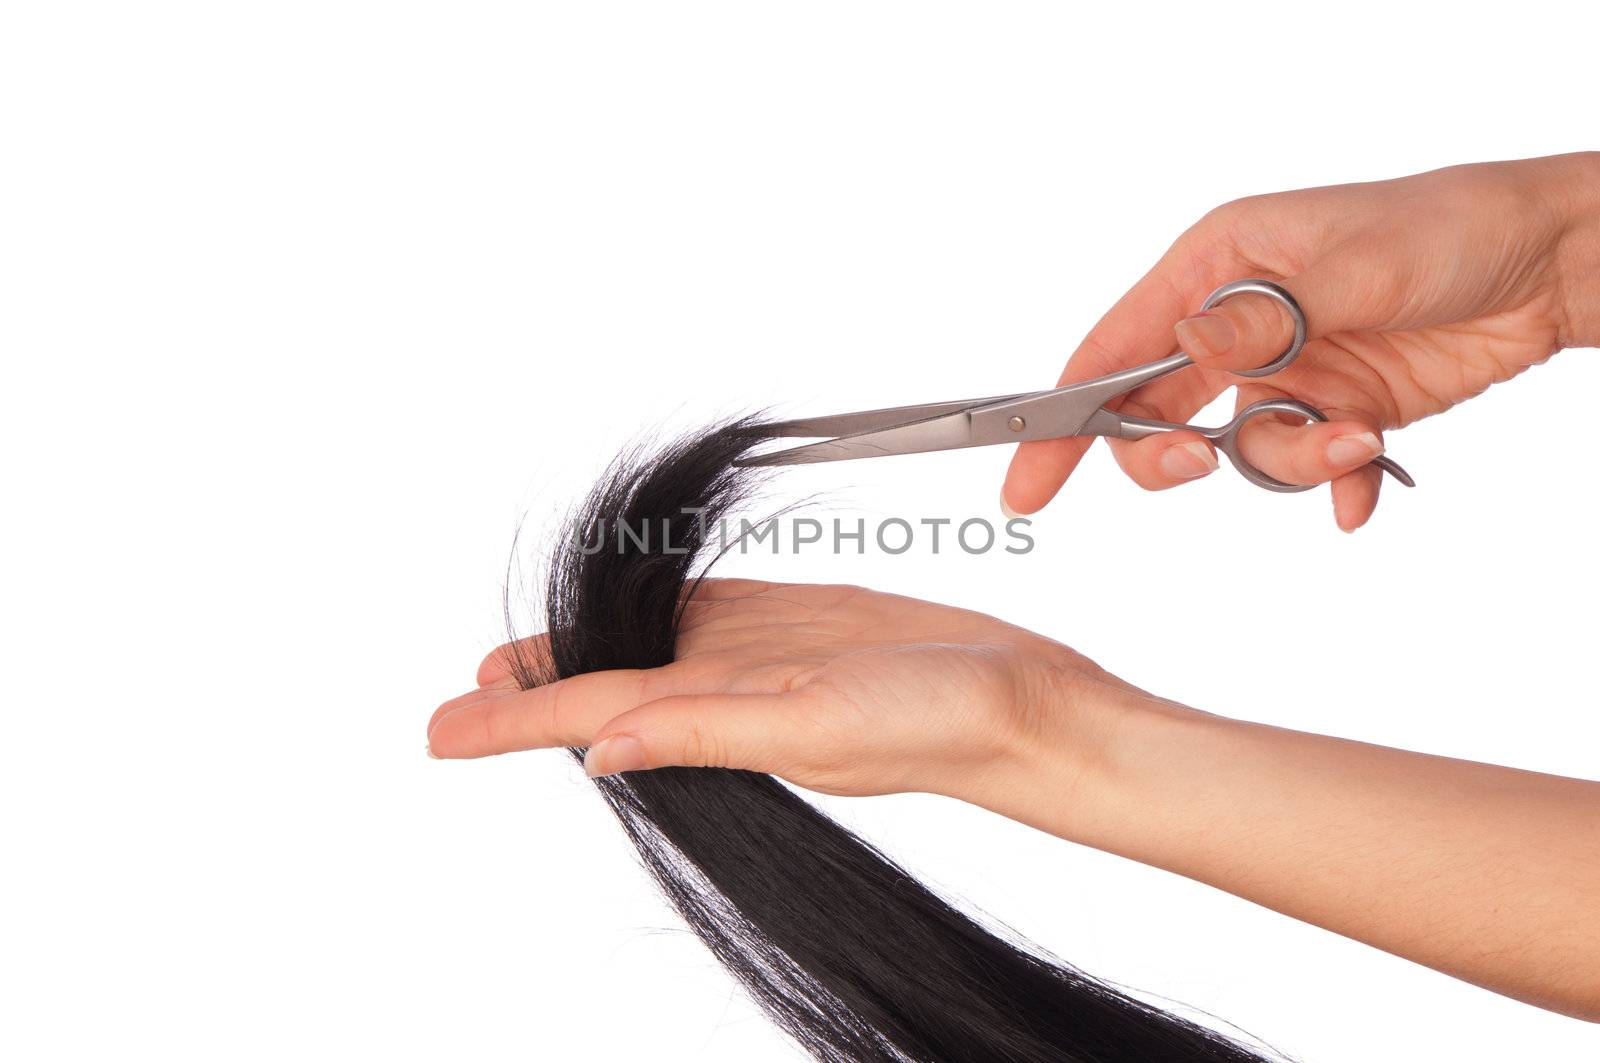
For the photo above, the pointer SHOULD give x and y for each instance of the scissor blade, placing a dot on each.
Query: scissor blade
(976, 423)
(1071, 410)
(950, 432)
(849, 424)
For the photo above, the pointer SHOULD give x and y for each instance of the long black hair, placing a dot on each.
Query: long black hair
(844, 949)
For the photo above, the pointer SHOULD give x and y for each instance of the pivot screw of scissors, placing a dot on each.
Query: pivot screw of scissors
(1016, 424)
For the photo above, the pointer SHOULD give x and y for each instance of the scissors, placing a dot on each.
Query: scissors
(1074, 410)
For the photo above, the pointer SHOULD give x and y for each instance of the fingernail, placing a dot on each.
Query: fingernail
(612, 755)
(1010, 513)
(1188, 461)
(1206, 335)
(1357, 449)
(432, 754)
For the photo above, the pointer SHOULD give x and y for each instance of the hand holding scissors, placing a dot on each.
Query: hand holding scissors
(1074, 410)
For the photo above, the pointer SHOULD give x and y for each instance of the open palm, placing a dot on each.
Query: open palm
(835, 688)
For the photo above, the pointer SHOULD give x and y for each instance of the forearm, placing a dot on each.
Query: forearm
(1487, 873)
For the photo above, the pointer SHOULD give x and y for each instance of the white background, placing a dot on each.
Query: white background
(307, 305)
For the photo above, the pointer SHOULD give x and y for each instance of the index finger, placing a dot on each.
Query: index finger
(1137, 329)
(564, 713)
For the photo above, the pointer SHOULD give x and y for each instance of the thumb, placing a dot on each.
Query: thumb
(1249, 330)
(696, 731)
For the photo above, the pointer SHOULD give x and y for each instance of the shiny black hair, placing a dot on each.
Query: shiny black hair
(844, 949)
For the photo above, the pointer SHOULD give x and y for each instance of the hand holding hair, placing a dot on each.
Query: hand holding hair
(1420, 293)
(1487, 873)
(838, 689)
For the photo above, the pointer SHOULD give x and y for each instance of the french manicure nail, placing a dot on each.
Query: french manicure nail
(1355, 449)
(1206, 335)
(1188, 461)
(1010, 513)
(612, 755)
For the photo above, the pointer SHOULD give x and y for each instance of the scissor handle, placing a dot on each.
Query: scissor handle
(1226, 439)
(1278, 294)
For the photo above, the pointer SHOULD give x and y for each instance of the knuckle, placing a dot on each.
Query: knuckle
(653, 683)
(1225, 216)
(550, 709)
(557, 712)
(1308, 462)
(1307, 471)
(1259, 321)
(491, 726)
(702, 748)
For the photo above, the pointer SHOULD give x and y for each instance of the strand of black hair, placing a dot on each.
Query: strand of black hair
(844, 949)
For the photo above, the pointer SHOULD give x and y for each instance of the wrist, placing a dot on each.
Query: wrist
(1089, 756)
(1130, 774)
(1571, 184)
